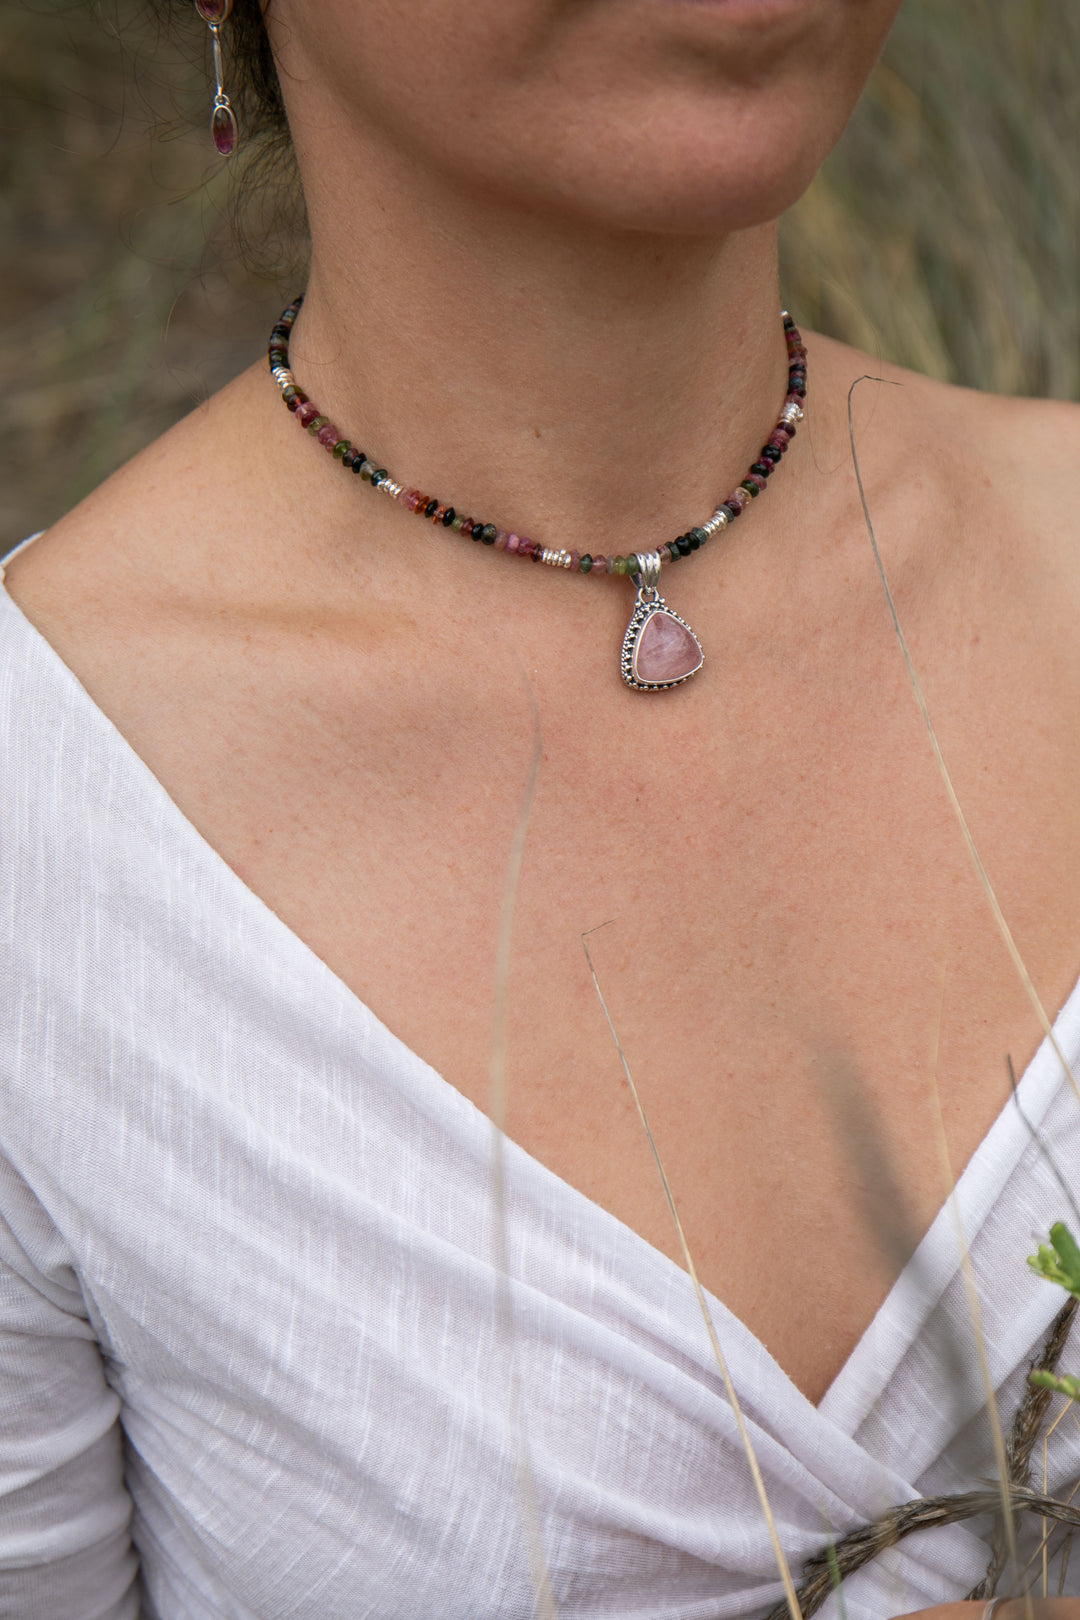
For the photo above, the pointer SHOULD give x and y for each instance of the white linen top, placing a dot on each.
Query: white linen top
(249, 1306)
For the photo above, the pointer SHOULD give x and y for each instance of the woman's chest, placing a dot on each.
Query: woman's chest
(770, 888)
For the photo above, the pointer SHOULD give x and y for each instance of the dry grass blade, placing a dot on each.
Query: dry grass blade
(790, 1605)
(526, 1485)
(975, 1312)
(939, 1126)
(972, 848)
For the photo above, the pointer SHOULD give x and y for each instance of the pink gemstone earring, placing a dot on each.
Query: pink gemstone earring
(223, 128)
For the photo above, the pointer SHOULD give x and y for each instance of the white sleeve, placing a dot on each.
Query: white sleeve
(65, 1547)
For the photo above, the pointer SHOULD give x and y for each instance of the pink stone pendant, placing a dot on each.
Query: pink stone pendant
(659, 649)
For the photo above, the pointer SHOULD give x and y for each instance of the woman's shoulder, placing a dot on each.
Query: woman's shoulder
(146, 528)
(996, 475)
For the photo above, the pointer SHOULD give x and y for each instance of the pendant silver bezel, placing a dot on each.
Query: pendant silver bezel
(644, 610)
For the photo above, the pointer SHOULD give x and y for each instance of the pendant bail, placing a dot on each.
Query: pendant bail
(647, 577)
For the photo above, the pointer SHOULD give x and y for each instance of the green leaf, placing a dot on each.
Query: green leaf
(1059, 1261)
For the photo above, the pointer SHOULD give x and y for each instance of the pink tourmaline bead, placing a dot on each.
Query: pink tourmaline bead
(307, 414)
(599, 562)
(737, 500)
(756, 478)
(575, 558)
(525, 546)
(665, 554)
(501, 540)
(328, 435)
(513, 541)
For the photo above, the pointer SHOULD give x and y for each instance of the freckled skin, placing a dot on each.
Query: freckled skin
(544, 285)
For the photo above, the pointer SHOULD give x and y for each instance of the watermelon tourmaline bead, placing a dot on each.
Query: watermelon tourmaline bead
(307, 413)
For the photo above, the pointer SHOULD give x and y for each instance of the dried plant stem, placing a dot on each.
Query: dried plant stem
(526, 1485)
(974, 1307)
(916, 686)
(790, 1606)
(1017, 961)
(861, 1546)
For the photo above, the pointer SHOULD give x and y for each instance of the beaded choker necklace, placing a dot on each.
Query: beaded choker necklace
(659, 648)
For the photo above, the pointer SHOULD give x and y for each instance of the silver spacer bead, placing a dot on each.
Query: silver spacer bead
(555, 558)
(389, 487)
(718, 521)
(283, 377)
(792, 413)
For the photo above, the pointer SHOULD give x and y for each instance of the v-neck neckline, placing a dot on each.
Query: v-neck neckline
(901, 1315)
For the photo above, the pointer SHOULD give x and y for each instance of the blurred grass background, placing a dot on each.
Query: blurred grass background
(944, 233)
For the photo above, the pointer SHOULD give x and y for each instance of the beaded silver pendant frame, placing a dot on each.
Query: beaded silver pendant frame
(648, 605)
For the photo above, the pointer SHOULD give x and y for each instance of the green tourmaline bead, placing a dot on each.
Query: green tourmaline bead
(458, 524)
(585, 564)
(340, 448)
(366, 470)
(319, 422)
(751, 489)
(489, 534)
(619, 566)
(633, 564)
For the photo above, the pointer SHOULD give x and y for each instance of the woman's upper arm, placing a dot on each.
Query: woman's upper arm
(65, 1547)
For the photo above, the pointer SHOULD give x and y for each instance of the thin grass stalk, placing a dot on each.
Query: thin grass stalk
(790, 1594)
(528, 1499)
(1018, 963)
(972, 848)
(975, 1313)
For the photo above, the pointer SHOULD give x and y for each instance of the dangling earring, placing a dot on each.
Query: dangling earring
(223, 128)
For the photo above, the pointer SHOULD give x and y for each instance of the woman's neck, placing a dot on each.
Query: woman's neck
(559, 379)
